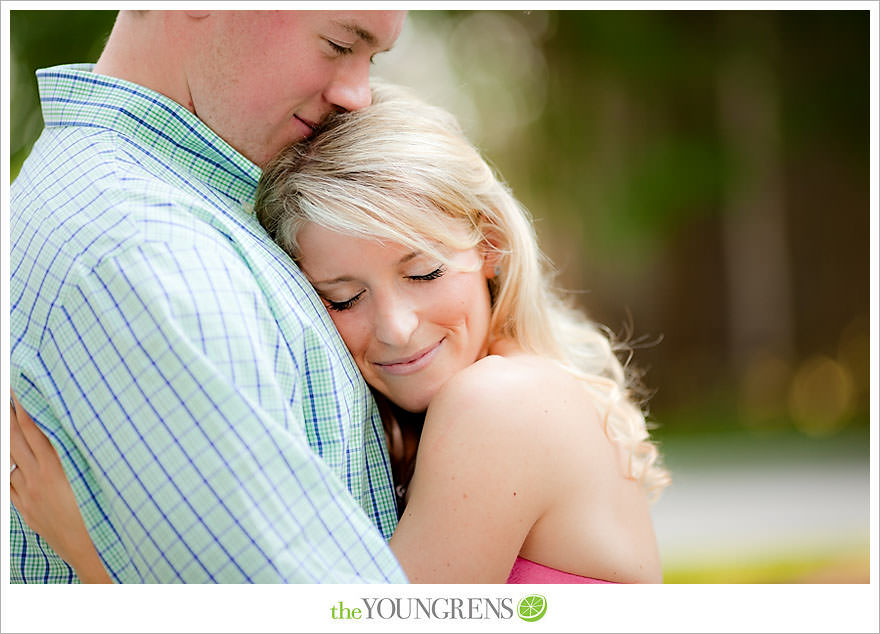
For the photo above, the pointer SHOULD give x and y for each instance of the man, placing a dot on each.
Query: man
(210, 420)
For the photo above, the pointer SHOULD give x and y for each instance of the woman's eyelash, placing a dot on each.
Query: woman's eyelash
(433, 275)
(340, 306)
(343, 305)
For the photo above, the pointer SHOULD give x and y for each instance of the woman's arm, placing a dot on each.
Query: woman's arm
(40, 491)
(480, 480)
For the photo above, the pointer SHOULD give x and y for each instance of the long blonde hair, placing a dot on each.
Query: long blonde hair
(403, 171)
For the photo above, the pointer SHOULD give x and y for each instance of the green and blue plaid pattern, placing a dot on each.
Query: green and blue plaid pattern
(210, 420)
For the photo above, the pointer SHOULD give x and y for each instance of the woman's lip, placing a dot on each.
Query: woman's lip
(413, 363)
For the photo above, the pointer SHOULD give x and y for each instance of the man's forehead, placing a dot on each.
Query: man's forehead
(378, 29)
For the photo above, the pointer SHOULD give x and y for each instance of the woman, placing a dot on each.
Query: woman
(534, 464)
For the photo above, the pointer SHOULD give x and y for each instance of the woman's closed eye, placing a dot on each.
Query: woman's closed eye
(346, 304)
(343, 305)
(433, 275)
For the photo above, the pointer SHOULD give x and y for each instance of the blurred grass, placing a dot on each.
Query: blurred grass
(708, 439)
(692, 436)
(850, 565)
(780, 445)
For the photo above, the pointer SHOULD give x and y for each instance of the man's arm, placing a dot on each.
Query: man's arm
(159, 367)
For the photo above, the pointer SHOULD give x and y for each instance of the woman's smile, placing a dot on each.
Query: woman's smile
(412, 364)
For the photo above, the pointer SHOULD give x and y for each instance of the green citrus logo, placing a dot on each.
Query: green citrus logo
(532, 607)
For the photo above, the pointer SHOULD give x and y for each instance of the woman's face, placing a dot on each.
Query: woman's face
(409, 321)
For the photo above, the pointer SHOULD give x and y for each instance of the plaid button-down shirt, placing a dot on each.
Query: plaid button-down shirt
(211, 421)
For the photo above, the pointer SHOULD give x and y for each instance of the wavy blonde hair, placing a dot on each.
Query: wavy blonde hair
(403, 171)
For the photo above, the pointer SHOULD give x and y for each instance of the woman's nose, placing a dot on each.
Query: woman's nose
(396, 321)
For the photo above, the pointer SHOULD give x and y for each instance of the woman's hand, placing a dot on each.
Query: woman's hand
(40, 491)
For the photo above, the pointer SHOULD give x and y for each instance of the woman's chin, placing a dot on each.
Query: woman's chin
(414, 404)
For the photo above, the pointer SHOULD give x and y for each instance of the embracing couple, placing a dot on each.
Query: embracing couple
(272, 323)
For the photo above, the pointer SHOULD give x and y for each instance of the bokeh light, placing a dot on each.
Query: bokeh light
(821, 396)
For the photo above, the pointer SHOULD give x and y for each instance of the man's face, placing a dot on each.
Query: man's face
(264, 79)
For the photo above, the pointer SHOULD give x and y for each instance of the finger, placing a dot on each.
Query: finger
(42, 450)
(13, 496)
(17, 500)
(32, 434)
(13, 411)
(11, 423)
(20, 453)
(13, 401)
(15, 485)
(18, 495)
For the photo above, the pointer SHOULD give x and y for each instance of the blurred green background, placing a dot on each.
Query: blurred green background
(703, 178)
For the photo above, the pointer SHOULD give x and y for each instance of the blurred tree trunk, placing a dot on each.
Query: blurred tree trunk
(753, 224)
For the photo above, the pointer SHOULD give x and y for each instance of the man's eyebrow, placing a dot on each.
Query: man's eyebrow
(359, 31)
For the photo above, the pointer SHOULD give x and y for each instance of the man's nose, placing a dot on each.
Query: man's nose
(350, 89)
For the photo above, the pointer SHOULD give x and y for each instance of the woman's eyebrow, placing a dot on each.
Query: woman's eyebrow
(335, 280)
(349, 278)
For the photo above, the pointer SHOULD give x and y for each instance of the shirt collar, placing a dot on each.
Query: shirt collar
(72, 95)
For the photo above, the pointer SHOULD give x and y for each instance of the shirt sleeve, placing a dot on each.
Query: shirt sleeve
(164, 363)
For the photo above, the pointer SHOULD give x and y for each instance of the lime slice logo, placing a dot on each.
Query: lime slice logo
(532, 607)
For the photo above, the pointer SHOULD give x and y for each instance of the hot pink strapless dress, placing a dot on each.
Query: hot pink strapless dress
(526, 571)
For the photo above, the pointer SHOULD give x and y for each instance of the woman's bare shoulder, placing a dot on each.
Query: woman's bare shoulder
(483, 461)
(521, 393)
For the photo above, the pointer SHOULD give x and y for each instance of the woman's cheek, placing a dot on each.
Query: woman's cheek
(355, 329)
